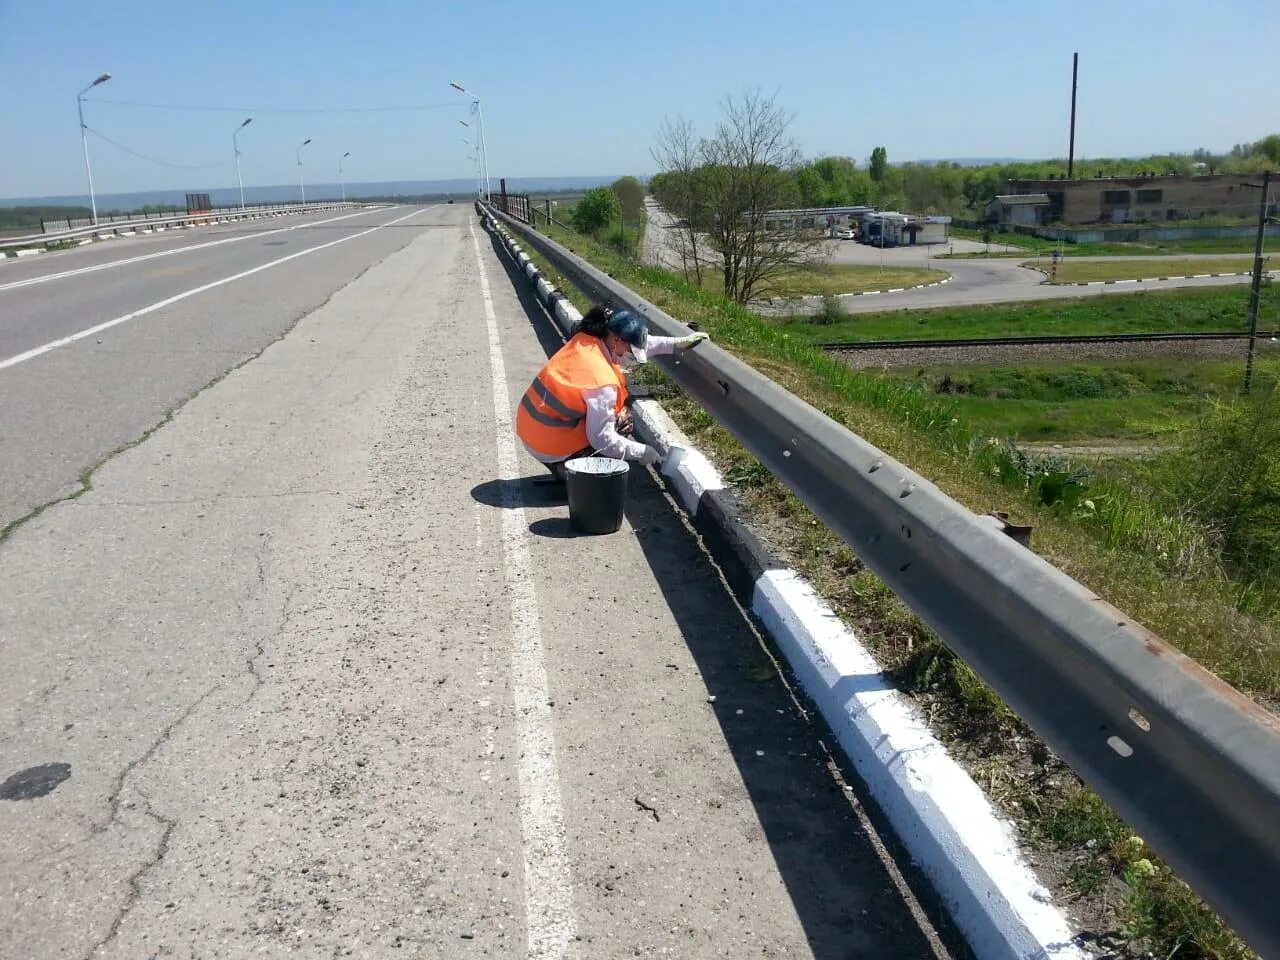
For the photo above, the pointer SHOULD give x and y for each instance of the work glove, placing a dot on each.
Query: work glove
(650, 456)
(692, 339)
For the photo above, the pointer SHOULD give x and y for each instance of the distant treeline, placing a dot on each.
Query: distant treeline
(948, 188)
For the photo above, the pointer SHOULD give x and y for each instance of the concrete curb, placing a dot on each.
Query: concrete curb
(1190, 276)
(773, 302)
(954, 835)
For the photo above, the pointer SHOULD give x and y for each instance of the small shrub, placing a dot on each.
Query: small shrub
(596, 210)
(830, 312)
(1227, 475)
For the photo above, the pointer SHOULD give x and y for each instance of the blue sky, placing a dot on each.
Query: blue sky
(578, 87)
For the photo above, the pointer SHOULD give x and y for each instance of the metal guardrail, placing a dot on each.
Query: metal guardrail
(1190, 763)
(169, 219)
(110, 219)
(513, 204)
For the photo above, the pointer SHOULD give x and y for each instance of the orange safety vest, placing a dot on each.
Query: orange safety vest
(552, 416)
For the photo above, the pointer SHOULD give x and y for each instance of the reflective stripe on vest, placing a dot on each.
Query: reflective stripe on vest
(546, 419)
(550, 399)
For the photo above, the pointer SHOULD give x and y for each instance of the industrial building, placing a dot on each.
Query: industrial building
(1104, 200)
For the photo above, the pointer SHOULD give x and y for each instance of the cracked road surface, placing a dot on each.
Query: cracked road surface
(279, 643)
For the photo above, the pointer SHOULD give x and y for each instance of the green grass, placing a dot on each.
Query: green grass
(832, 279)
(1153, 566)
(1086, 271)
(1152, 311)
(1043, 246)
(1101, 400)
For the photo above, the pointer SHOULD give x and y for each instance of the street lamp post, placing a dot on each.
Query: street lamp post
(84, 142)
(479, 152)
(341, 178)
(484, 151)
(475, 156)
(302, 187)
(235, 143)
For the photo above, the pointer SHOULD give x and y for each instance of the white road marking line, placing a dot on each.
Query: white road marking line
(165, 253)
(548, 899)
(161, 304)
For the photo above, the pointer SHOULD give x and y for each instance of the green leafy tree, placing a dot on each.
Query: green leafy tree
(630, 196)
(879, 163)
(596, 210)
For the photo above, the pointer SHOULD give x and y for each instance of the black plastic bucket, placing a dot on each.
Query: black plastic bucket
(597, 493)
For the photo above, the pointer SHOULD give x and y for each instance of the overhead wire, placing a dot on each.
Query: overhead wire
(206, 107)
(162, 163)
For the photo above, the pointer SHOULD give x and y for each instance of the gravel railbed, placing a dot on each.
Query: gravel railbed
(1037, 353)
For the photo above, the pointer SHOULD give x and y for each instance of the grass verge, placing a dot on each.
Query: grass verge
(1043, 246)
(833, 279)
(1154, 567)
(1203, 310)
(1112, 400)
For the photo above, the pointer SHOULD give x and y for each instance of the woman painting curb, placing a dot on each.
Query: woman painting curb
(577, 404)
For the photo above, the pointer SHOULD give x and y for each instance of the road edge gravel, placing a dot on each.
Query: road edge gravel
(953, 833)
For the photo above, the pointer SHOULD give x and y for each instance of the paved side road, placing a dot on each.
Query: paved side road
(310, 670)
(972, 281)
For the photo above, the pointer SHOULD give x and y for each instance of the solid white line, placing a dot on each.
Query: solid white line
(161, 304)
(165, 253)
(548, 895)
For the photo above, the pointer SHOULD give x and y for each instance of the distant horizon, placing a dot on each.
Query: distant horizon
(457, 186)
(288, 192)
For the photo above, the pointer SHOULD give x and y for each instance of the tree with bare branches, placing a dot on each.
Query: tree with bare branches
(728, 185)
(677, 153)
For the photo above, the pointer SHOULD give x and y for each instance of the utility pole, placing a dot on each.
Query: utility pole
(1071, 146)
(1255, 292)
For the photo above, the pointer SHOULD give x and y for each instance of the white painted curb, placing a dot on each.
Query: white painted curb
(775, 302)
(31, 252)
(969, 853)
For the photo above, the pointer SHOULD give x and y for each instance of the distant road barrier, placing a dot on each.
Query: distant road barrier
(107, 227)
(1189, 762)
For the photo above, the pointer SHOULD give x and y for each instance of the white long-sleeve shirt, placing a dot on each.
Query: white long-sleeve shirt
(602, 421)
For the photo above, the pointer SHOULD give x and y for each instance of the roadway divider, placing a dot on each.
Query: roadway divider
(1190, 763)
(16, 246)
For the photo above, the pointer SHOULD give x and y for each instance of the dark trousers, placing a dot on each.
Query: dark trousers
(625, 428)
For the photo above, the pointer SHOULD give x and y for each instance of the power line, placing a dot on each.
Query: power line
(190, 106)
(163, 163)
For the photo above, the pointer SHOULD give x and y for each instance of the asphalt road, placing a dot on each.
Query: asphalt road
(64, 411)
(309, 668)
